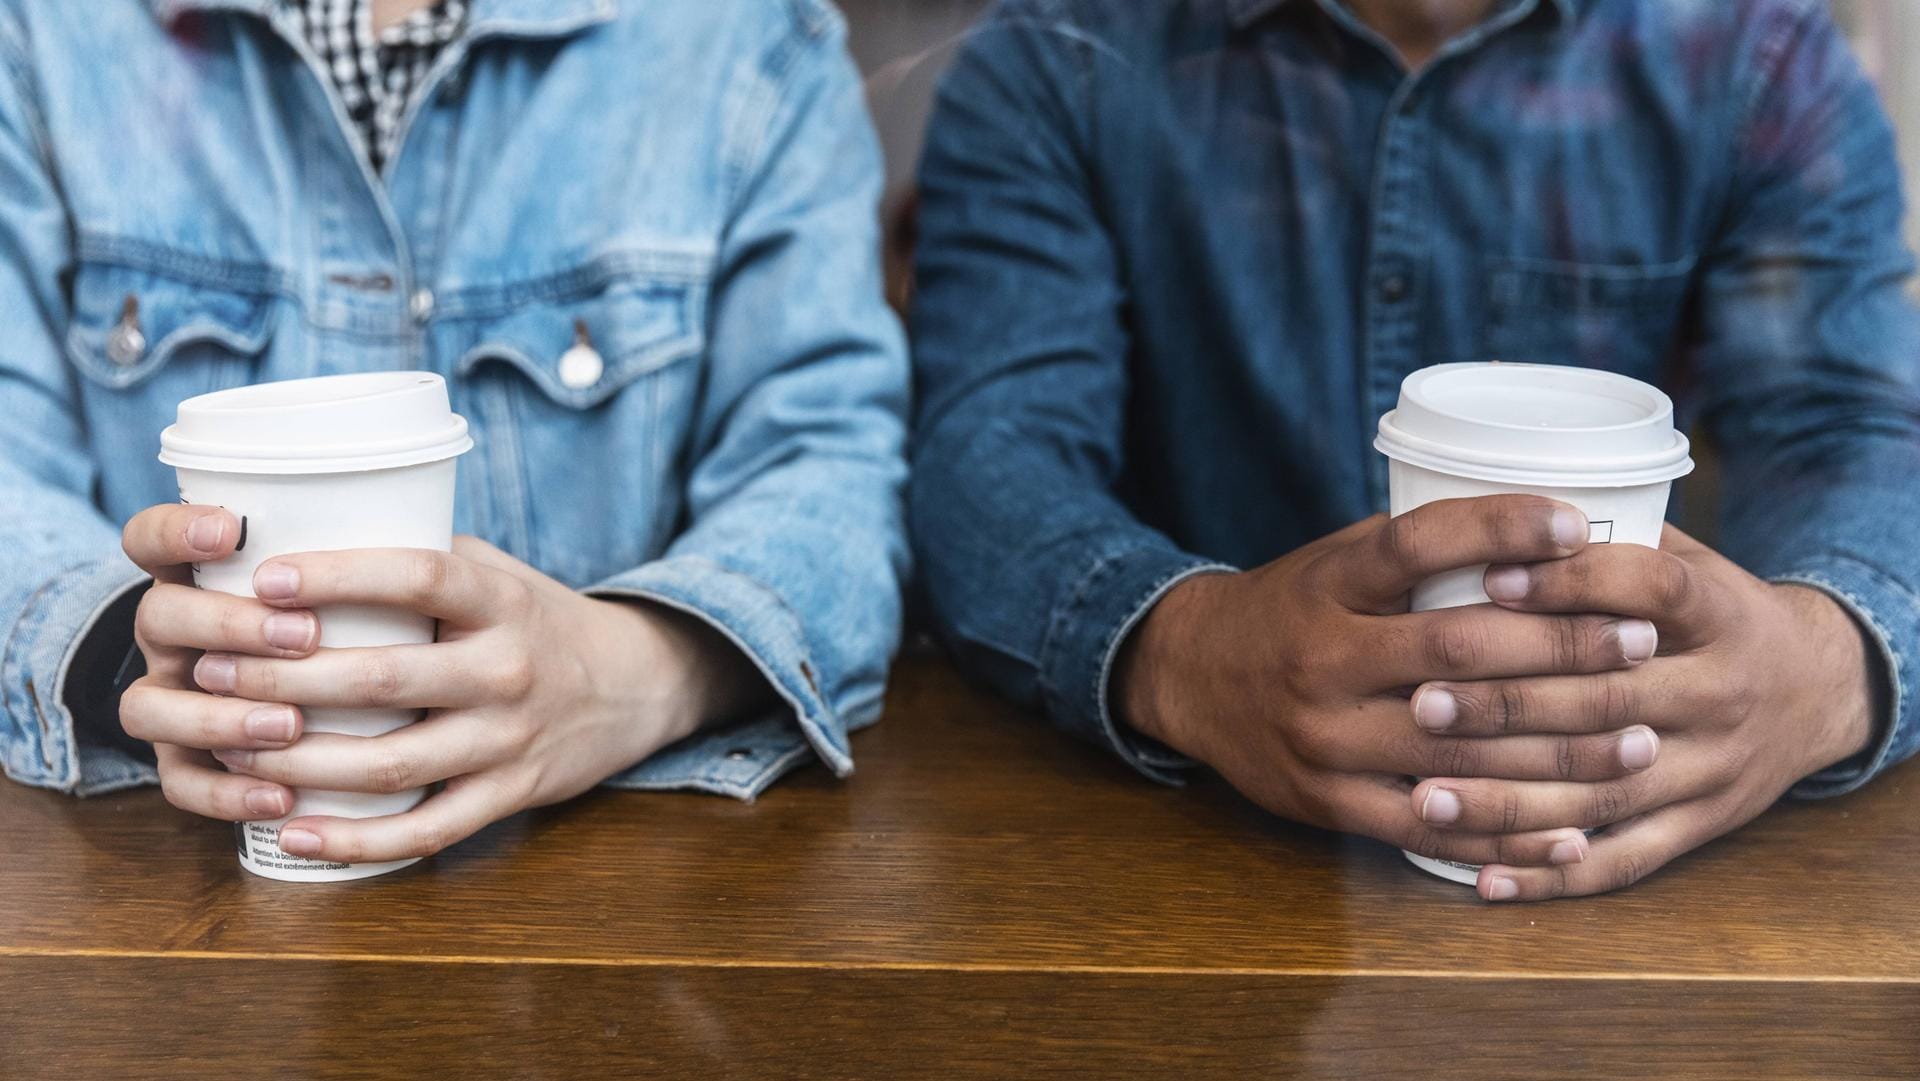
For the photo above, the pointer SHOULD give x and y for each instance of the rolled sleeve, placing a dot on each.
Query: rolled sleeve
(44, 746)
(1890, 615)
(1084, 639)
(742, 760)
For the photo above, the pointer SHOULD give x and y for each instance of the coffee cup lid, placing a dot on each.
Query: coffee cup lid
(329, 424)
(1535, 424)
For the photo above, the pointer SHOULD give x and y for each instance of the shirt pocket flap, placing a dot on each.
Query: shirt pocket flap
(627, 331)
(1550, 285)
(128, 323)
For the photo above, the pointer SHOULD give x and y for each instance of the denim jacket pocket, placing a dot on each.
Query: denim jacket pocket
(1619, 317)
(605, 381)
(129, 324)
(580, 352)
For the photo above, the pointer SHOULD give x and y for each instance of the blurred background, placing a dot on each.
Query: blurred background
(903, 45)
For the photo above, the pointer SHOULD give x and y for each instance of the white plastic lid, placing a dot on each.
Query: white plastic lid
(1535, 424)
(332, 424)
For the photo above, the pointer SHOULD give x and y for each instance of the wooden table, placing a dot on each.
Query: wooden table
(987, 899)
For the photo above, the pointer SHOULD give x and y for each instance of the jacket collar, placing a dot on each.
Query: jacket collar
(1244, 13)
(517, 18)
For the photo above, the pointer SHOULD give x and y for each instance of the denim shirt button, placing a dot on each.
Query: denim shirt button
(1393, 288)
(420, 305)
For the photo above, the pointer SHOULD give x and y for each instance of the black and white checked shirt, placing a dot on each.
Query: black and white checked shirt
(376, 75)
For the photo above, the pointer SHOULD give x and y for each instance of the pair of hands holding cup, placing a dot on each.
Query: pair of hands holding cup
(1689, 707)
(1681, 714)
(536, 693)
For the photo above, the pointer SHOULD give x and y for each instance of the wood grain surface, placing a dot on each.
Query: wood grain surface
(985, 898)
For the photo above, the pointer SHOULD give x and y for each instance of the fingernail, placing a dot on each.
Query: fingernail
(237, 760)
(300, 842)
(266, 801)
(1570, 850)
(1637, 638)
(1638, 748)
(1440, 807)
(204, 532)
(290, 630)
(276, 582)
(270, 724)
(216, 672)
(1570, 528)
(1499, 888)
(1435, 709)
(1507, 583)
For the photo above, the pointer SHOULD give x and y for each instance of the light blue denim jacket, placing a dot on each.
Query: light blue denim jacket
(693, 182)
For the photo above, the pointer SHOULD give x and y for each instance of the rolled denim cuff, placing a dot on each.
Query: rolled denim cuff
(742, 760)
(1890, 613)
(38, 742)
(1084, 638)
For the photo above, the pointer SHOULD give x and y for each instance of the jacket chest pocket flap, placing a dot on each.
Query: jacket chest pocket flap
(582, 352)
(129, 324)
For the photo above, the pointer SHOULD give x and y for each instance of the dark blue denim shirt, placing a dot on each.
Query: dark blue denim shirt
(1177, 256)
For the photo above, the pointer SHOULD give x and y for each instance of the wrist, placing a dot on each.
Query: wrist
(678, 670)
(1844, 706)
(1156, 661)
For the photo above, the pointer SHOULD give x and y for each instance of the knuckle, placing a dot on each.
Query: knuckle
(1572, 641)
(390, 772)
(1630, 865)
(427, 839)
(1606, 804)
(350, 848)
(1456, 758)
(136, 706)
(1399, 540)
(1613, 704)
(1313, 742)
(1510, 709)
(1509, 808)
(170, 788)
(1516, 525)
(1557, 883)
(1672, 584)
(427, 573)
(235, 627)
(1452, 646)
(512, 679)
(256, 681)
(1426, 841)
(376, 681)
(1726, 763)
(1565, 759)
(147, 621)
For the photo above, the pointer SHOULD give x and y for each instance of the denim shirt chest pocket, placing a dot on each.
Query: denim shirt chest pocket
(1623, 318)
(600, 383)
(143, 341)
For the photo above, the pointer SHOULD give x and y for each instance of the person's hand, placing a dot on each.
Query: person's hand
(172, 625)
(1755, 687)
(535, 694)
(1291, 680)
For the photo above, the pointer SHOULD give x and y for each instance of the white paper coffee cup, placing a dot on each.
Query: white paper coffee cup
(1600, 441)
(307, 465)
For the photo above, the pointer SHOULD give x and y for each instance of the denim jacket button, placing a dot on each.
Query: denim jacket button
(581, 367)
(420, 305)
(126, 344)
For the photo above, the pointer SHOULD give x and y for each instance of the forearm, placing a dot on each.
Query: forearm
(1834, 513)
(1036, 574)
